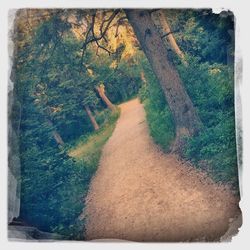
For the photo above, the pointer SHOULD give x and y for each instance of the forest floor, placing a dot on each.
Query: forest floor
(141, 194)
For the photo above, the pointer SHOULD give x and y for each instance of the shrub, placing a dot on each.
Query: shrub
(158, 115)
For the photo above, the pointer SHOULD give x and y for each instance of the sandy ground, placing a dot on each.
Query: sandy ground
(142, 194)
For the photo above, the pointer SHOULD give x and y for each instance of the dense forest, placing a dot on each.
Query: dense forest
(73, 67)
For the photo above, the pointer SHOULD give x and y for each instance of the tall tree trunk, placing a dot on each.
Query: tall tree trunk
(187, 122)
(101, 91)
(161, 23)
(55, 134)
(91, 117)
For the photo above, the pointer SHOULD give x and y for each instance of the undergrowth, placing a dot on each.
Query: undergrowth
(211, 88)
(159, 117)
(86, 153)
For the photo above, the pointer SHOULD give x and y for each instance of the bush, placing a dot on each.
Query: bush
(211, 88)
(158, 115)
(51, 183)
(54, 184)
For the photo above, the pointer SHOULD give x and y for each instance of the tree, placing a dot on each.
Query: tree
(202, 34)
(91, 117)
(101, 91)
(186, 119)
(51, 182)
(187, 122)
(90, 100)
(64, 75)
(161, 22)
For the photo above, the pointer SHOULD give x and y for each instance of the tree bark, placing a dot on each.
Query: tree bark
(91, 117)
(187, 122)
(161, 23)
(55, 134)
(101, 91)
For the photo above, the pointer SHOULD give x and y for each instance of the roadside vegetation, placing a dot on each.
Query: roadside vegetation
(159, 118)
(88, 147)
(209, 79)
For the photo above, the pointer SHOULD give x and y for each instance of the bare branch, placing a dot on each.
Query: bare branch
(119, 22)
(84, 46)
(171, 32)
(105, 49)
(108, 21)
(103, 30)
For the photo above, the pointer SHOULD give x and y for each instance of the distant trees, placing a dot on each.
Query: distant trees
(66, 79)
(56, 103)
(187, 121)
(108, 33)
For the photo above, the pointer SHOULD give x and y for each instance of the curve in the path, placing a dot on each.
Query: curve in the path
(142, 194)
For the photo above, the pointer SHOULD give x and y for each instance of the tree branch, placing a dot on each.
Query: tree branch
(103, 31)
(171, 32)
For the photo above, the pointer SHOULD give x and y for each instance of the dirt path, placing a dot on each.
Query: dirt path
(141, 194)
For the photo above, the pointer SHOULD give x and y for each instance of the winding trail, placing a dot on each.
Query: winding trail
(142, 194)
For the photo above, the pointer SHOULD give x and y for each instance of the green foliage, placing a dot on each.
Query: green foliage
(203, 34)
(86, 153)
(158, 115)
(50, 30)
(52, 84)
(209, 82)
(211, 88)
(122, 81)
(87, 149)
(217, 151)
(52, 184)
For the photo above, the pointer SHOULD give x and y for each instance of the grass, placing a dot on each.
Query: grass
(88, 148)
(160, 124)
(86, 153)
(159, 117)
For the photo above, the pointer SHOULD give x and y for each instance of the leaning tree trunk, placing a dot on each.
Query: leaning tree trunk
(101, 91)
(91, 117)
(187, 122)
(55, 134)
(161, 23)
